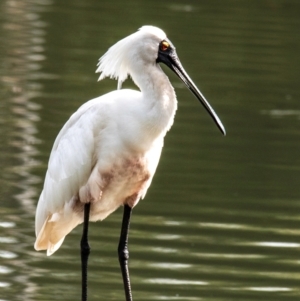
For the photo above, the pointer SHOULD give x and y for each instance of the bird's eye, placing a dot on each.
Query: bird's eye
(164, 45)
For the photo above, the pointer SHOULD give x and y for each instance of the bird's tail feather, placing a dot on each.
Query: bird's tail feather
(53, 233)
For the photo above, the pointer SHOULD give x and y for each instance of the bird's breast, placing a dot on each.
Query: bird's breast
(127, 175)
(124, 182)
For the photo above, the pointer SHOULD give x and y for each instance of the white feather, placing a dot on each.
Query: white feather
(108, 150)
(117, 62)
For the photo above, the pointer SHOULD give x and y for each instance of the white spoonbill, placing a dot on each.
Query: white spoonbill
(106, 154)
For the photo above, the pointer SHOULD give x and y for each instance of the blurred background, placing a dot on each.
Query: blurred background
(221, 219)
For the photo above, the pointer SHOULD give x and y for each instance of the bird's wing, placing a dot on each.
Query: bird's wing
(69, 167)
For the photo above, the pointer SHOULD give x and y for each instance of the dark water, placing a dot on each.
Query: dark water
(221, 220)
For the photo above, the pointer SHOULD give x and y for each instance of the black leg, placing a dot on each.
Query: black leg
(85, 250)
(124, 253)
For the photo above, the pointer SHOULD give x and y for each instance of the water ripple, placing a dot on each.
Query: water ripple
(175, 281)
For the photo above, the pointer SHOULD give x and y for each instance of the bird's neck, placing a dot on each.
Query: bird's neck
(158, 95)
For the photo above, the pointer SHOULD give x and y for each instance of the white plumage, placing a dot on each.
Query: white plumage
(108, 151)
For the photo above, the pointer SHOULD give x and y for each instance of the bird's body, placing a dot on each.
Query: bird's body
(107, 152)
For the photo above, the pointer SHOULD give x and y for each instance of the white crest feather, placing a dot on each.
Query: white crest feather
(115, 63)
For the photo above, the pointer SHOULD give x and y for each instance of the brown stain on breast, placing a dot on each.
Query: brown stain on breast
(130, 173)
(106, 178)
(77, 205)
(125, 170)
(139, 175)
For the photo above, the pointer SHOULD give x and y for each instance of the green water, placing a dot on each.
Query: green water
(221, 219)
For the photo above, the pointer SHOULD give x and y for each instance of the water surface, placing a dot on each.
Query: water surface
(221, 219)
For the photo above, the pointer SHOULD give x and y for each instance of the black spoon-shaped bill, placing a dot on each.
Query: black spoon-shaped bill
(168, 56)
